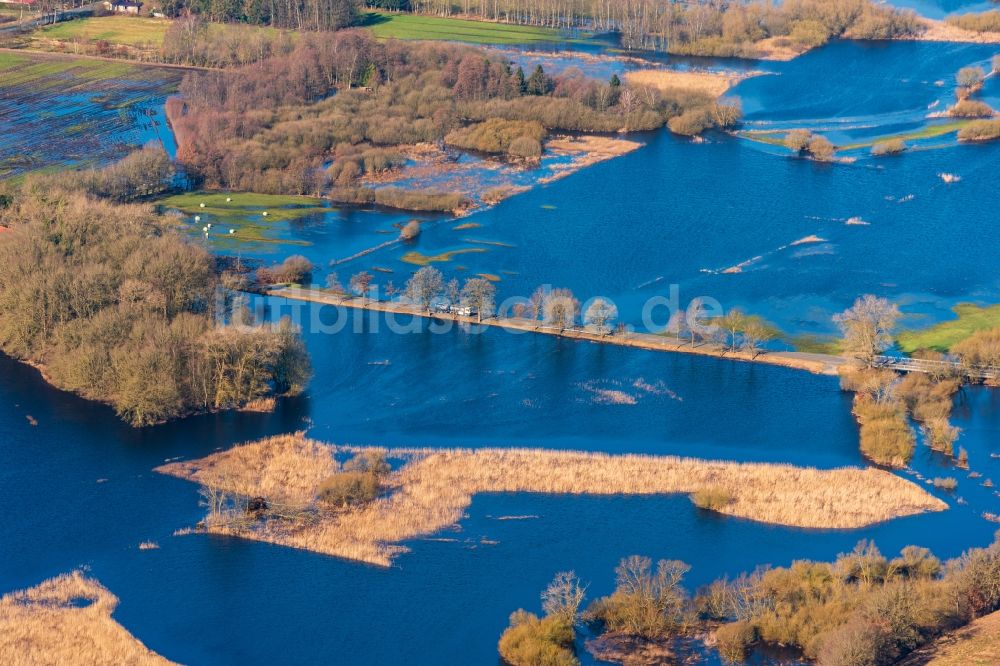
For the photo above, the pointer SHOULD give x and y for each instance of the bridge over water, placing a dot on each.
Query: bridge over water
(930, 366)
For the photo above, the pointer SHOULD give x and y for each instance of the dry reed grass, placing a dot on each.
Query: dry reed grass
(435, 487)
(48, 624)
(711, 83)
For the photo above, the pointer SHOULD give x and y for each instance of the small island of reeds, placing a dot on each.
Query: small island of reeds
(349, 502)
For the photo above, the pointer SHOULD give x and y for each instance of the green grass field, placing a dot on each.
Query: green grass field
(941, 337)
(128, 30)
(244, 215)
(409, 26)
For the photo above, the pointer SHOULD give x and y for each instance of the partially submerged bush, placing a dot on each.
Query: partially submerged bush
(940, 435)
(861, 610)
(797, 140)
(646, 603)
(889, 147)
(296, 269)
(970, 108)
(926, 399)
(734, 640)
(690, 123)
(946, 483)
(410, 230)
(981, 350)
(530, 641)
(886, 437)
(712, 499)
(821, 148)
(980, 130)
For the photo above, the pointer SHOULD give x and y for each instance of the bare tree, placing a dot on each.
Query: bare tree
(733, 323)
(480, 294)
(535, 302)
(756, 333)
(563, 596)
(650, 603)
(867, 327)
(970, 77)
(452, 292)
(333, 284)
(560, 308)
(359, 284)
(600, 313)
(425, 285)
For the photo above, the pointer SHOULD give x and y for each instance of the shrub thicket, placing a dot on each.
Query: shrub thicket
(517, 138)
(977, 22)
(861, 609)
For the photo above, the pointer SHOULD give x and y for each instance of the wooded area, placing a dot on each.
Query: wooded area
(269, 127)
(116, 306)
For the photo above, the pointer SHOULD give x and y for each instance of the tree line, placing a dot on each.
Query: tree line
(271, 126)
(116, 306)
(293, 14)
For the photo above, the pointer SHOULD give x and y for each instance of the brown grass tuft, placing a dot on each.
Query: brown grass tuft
(66, 620)
(435, 487)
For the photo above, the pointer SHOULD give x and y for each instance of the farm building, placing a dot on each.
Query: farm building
(123, 6)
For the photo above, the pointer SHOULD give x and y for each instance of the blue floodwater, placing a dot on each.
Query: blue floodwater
(937, 9)
(679, 212)
(67, 121)
(79, 490)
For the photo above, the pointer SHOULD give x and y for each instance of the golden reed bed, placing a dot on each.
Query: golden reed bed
(67, 620)
(434, 487)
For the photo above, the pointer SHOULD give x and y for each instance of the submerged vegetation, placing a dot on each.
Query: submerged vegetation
(115, 306)
(434, 488)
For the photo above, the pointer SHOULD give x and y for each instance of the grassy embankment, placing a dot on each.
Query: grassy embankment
(67, 620)
(385, 25)
(434, 488)
(649, 341)
(943, 336)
